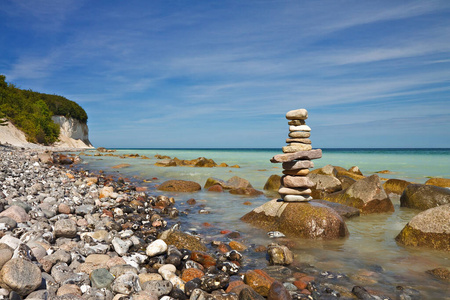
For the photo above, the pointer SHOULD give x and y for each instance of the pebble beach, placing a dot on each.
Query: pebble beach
(67, 234)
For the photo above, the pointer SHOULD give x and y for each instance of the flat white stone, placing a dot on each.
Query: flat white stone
(293, 191)
(296, 198)
(299, 128)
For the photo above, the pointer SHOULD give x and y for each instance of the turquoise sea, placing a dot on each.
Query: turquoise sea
(370, 255)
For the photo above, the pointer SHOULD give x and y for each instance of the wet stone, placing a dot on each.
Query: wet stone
(278, 291)
(192, 285)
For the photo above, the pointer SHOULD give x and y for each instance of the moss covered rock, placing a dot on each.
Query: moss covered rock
(183, 240)
(421, 196)
(301, 219)
(442, 182)
(430, 229)
(395, 186)
(273, 183)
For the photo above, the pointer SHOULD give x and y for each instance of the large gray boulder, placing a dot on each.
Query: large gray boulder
(366, 194)
(430, 228)
(423, 196)
(300, 219)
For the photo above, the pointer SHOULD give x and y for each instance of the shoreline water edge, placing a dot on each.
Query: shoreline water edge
(69, 233)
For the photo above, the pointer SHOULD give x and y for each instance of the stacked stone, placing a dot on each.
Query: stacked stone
(295, 185)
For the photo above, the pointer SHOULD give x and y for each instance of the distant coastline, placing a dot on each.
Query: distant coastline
(278, 149)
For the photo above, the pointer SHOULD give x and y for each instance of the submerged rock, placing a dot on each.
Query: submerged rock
(183, 240)
(305, 220)
(179, 186)
(430, 229)
(440, 273)
(343, 210)
(423, 196)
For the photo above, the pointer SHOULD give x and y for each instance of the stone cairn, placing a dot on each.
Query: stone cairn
(295, 185)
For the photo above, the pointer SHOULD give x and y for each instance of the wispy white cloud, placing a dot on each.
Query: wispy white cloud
(160, 66)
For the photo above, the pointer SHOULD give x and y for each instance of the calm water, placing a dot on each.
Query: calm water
(371, 245)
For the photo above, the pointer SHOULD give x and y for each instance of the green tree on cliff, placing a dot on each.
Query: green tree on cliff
(32, 112)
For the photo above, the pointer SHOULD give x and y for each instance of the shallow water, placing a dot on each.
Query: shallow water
(369, 256)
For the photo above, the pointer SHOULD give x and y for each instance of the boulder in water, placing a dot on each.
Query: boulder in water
(343, 210)
(179, 186)
(365, 194)
(430, 229)
(306, 220)
(423, 196)
(273, 183)
(324, 184)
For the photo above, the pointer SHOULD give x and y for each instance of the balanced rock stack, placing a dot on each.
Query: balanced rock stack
(295, 185)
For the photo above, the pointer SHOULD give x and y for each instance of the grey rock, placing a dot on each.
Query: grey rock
(65, 228)
(63, 274)
(423, 196)
(101, 278)
(119, 270)
(158, 288)
(121, 246)
(6, 223)
(39, 295)
(59, 256)
(85, 209)
(126, 284)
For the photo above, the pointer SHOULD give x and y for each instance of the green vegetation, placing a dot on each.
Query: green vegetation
(31, 112)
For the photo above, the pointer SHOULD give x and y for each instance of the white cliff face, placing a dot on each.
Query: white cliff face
(73, 133)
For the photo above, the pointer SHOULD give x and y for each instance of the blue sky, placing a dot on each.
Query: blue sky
(224, 73)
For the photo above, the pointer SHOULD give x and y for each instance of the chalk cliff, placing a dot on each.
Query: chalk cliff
(74, 134)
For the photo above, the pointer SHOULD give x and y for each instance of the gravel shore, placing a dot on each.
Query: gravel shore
(68, 234)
